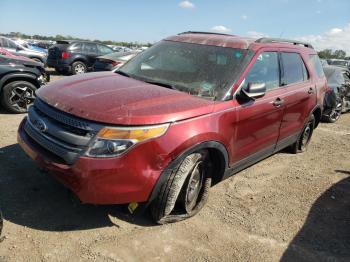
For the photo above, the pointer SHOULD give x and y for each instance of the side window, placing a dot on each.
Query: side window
(2, 42)
(90, 48)
(294, 70)
(76, 47)
(104, 49)
(265, 70)
(316, 65)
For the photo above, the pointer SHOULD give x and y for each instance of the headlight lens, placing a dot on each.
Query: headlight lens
(112, 141)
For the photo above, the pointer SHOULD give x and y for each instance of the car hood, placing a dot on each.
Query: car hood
(111, 98)
(19, 60)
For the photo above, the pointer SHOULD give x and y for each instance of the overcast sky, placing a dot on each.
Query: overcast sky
(325, 23)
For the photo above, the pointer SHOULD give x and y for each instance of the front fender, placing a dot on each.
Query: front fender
(175, 162)
(16, 75)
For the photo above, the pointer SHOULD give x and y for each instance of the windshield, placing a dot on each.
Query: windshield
(200, 70)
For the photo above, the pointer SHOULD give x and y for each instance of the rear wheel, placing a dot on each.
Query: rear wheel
(17, 96)
(78, 68)
(304, 138)
(186, 190)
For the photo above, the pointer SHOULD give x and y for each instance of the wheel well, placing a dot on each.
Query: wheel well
(20, 78)
(79, 60)
(318, 114)
(218, 165)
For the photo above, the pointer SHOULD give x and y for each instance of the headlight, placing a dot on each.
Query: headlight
(112, 141)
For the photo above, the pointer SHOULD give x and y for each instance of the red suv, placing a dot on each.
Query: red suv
(178, 118)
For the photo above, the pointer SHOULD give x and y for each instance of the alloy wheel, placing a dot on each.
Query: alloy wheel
(79, 69)
(21, 97)
(194, 186)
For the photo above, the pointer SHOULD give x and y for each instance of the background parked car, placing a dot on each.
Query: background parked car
(17, 49)
(117, 48)
(19, 79)
(337, 98)
(113, 61)
(324, 62)
(29, 45)
(339, 62)
(9, 54)
(74, 56)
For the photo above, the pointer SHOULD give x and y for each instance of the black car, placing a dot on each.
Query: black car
(337, 98)
(75, 57)
(19, 79)
(113, 61)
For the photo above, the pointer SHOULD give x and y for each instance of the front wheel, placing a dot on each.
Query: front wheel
(305, 136)
(186, 190)
(17, 96)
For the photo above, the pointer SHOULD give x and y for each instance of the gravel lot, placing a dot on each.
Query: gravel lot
(287, 207)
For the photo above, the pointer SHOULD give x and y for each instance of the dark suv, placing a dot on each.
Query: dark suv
(75, 57)
(19, 79)
(178, 118)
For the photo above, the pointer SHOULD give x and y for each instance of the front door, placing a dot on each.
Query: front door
(259, 120)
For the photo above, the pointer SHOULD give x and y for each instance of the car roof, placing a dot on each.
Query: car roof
(76, 41)
(234, 41)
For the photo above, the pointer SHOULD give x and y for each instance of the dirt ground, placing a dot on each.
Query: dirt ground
(287, 207)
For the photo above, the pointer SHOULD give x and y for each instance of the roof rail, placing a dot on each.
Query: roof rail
(200, 32)
(281, 40)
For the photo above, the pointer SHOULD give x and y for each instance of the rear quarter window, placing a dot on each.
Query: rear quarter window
(316, 65)
(294, 69)
(75, 47)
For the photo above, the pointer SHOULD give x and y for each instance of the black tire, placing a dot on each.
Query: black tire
(78, 67)
(304, 138)
(17, 96)
(332, 115)
(175, 201)
(1, 223)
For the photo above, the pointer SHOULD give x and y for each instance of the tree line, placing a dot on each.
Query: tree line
(330, 54)
(69, 37)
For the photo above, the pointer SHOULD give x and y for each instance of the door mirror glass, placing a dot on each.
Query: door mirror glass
(254, 90)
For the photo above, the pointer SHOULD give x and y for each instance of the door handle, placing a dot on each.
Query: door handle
(311, 91)
(278, 102)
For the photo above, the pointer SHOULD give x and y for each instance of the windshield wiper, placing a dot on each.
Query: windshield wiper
(162, 84)
(122, 73)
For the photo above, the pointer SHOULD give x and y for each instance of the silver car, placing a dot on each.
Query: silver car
(18, 49)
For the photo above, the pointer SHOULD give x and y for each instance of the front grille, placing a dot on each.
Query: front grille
(60, 116)
(62, 134)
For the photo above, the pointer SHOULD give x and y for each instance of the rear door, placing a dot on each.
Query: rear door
(91, 52)
(258, 121)
(299, 96)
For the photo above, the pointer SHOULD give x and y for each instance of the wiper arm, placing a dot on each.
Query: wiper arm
(122, 73)
(162, 84)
